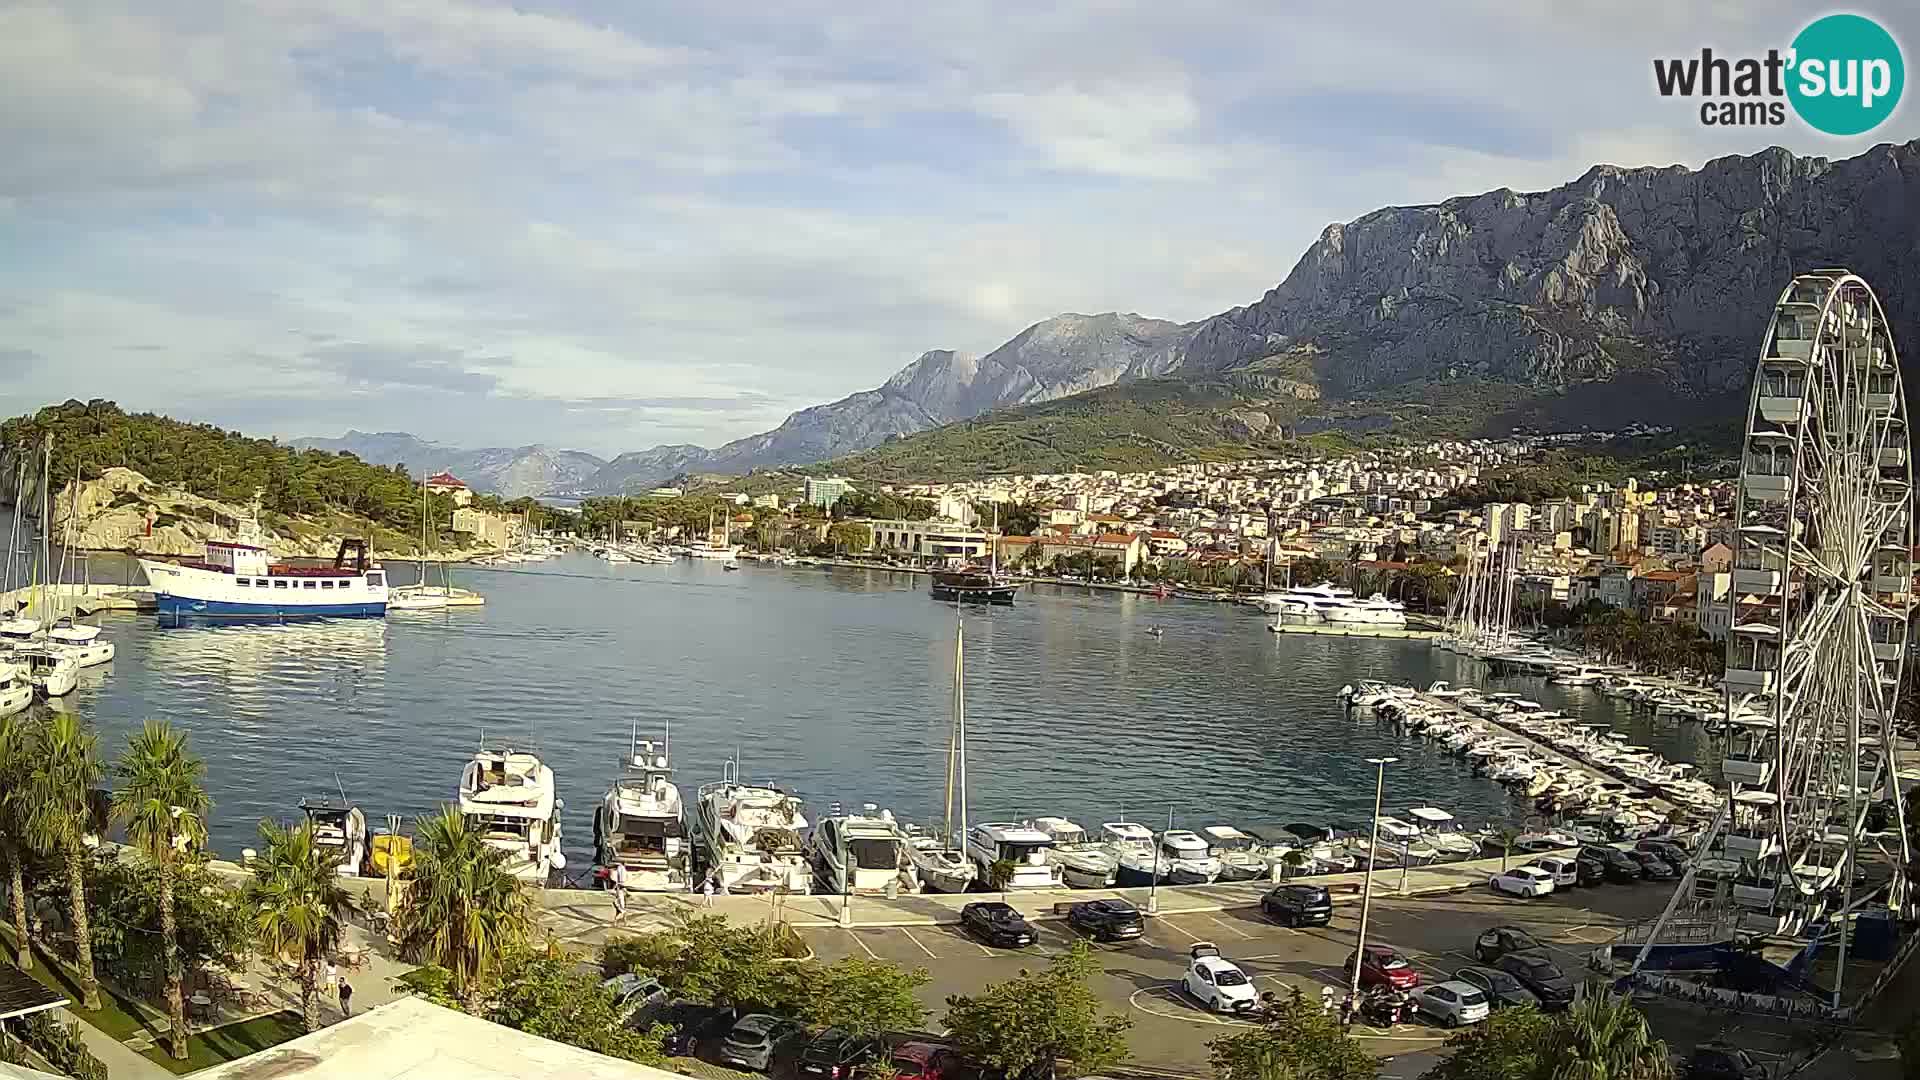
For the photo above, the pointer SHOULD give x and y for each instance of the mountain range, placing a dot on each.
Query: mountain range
(1626, 294)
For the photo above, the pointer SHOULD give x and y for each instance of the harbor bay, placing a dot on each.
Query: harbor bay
(834, 684)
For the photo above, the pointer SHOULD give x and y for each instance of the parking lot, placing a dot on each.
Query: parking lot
(1171, 1031)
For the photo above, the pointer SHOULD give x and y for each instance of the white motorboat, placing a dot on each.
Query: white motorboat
(1026, 851)
(942, 862)
(52, 673)
(1124, 840)
(1084, 863)
(1238, 854)
(865, 853)
(1375, 610)
(1443, 833)
(416, 598)
(339, 830)
(749, 834)
(1179, 858)
(508, 795)
(16, 692)
(639, 839)
(19, 629)
(1307, 604)
(1406, 841)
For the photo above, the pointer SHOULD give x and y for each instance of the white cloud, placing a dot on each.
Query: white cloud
(678, 223)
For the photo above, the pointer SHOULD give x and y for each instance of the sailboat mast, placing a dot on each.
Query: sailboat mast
(960, 712)
(953, 746)
(46, 526)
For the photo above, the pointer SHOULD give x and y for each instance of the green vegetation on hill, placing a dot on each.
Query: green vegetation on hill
(90, 437)
(1557, 473)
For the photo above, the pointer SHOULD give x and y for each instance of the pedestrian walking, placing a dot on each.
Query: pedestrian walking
(618, 876)
(706, 893)
(346, 998)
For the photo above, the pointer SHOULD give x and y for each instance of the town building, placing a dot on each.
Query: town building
(940, 541)
(824, 492)
(445, 483)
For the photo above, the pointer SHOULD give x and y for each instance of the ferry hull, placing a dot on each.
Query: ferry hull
(173, 608)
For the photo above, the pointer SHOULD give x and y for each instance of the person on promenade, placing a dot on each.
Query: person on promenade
(706, 892)
(346, 999)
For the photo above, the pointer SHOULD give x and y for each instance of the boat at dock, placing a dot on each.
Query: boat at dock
(52, 673)
(1178, 857)
(508, 796)
(16, 691)
(1084, 863)
(639, 839)
(340, 832)
(862, 854)
(749, 835)
(1025, 851)
(1238, 853)
(942, 862)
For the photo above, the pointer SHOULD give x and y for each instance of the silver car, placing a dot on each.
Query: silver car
(1451, 1003)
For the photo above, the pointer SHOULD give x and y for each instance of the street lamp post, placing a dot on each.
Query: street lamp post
(1366, 892)
(1153, 885)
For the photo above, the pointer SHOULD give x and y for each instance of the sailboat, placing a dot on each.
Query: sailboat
(53, 654)
(943, 866)
(423, 597)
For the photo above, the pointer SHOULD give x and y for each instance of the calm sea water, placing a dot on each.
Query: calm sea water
(836, 684)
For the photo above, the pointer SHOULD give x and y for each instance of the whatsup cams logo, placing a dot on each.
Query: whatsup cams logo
(1842, 75)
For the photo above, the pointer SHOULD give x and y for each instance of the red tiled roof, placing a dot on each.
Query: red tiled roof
(1164, 534)
(444, 479)
(1121, 539)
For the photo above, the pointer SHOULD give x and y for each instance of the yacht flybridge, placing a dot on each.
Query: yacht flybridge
(1024, 851)
(638, 839)
(508, 796)
(865, 853)
(339, 830)
(749, 835)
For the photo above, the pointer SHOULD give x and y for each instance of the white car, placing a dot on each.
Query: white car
(1217, 983)
(1566, 873)
(1523, 881)
(1452, 1003)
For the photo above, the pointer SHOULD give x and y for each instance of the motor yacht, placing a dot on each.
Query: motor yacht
(1239, 854)
(865, 853)
(639, 838)
(1084, 863)
(508, 796)
(1443, 833)
(51, 672)
(750, 835)
(339, 830)
(16, 692)
(1028, 850)
(1405, 840)
(1179, 858)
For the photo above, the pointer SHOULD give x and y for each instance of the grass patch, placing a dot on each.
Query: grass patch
(206, 1049)
(118, 1017)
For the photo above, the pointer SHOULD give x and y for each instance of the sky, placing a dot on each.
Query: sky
(607, 224)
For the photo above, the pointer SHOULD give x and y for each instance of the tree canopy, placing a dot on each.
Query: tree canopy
(1298, 1041)
(1604, 1037)
(1040, 1021)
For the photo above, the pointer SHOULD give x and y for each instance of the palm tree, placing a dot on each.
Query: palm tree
(165, 810)
(463, 909)
(1506, 835)
(63, 771)
(15, 749)
(999, 873)
(298, 906)
(1605, 1037)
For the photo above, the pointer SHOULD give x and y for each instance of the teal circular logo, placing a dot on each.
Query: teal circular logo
(1847, 74)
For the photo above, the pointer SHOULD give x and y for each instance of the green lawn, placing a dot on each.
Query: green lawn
(206, 1049)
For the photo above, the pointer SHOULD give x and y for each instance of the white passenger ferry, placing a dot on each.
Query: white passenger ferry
(240, 581)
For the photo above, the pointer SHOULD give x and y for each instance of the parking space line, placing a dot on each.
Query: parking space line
(917, 941)
(863, 945)
(1162, 921)
(1468, 957)
(1228, 927)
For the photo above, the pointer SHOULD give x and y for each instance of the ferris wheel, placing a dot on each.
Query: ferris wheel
(1821, 589)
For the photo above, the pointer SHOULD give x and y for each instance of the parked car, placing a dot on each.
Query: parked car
(1106, 920)
(692, 1025)
(996, 923)
(1722, 1061)
(756, 1038)
(1384, 967)
(1298, 905)
(1541, 975)
(922, 1061)
(1619, 866)
(635, 997)
(1523, 881)
(1653, 867)
(1451, 1003)
(1503, 990)
(1565, 871)
(1592, 871)
(1497, 941)
(834, 1054)
(1666, 849)
(1217, 983)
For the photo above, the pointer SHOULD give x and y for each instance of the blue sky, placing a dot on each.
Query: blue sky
(613, 224)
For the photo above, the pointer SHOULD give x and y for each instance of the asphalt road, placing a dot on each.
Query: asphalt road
(1171, 1032)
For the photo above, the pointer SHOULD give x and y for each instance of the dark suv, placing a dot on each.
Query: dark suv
(996, 924)
(1498, 941)
(1298, 905)
(834, 1054)
(1106, 920)
(691, 1025)
(1620, 866)
(1541, 975)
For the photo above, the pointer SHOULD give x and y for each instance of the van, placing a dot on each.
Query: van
(1566, 873)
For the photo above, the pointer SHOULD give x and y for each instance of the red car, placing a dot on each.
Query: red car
(1384, 967)
(922, 1061)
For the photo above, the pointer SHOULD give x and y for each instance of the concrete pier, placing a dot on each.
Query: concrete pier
(88, 599)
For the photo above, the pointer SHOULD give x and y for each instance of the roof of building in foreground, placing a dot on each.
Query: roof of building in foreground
(412, 1039)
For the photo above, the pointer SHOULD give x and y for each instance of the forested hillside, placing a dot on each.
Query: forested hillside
(210, 462)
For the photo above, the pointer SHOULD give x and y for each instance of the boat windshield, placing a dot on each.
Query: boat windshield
(649, 826)
(495, 827)
(873, 854)
(1032, 853)
(1233, 844)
